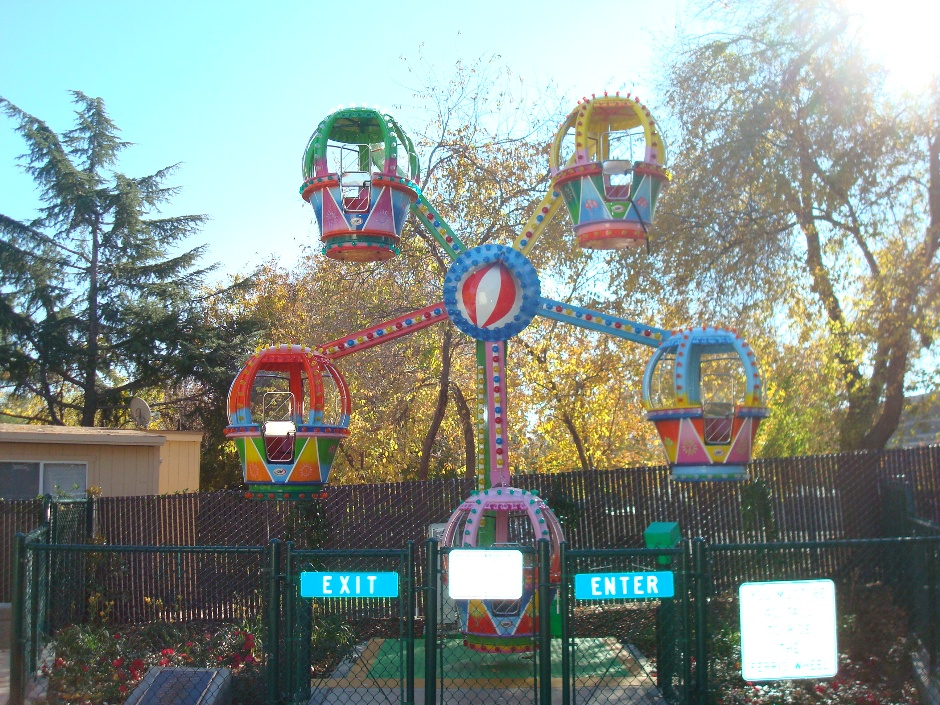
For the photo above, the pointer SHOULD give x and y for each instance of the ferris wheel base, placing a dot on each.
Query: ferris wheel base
(709, 473)
(282, 492)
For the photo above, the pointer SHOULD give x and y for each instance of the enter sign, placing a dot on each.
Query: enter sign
(619, 586)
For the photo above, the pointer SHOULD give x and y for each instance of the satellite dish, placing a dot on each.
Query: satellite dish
(140, 412)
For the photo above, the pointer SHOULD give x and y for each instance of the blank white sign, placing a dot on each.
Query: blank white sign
(788, 630)
(479, 574)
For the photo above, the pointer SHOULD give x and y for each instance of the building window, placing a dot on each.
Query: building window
(28, 479)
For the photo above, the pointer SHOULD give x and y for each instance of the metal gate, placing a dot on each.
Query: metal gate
(346, 628)
(603, 630)
(421, 646)
(464, 663)
(625, 636)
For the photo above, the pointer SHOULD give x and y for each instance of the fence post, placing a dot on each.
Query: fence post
(90, 506)
(430, 624)
(700, 572)
(18, 617)
(933, 633)
(410, 623)
(40, 587)
(565, 635)
(686, 628)
(545, 623)
(272, 638)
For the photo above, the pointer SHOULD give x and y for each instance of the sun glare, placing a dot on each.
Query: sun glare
(901, 35)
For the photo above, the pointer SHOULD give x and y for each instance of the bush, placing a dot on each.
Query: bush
(97, 665)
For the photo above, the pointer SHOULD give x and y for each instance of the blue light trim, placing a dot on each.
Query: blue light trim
(523, 272)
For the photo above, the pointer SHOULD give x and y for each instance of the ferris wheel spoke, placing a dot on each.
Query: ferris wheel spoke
(482, 431)
(494, 366)
(384, 332)
(595, 320)
(437, 226)
(544, 212)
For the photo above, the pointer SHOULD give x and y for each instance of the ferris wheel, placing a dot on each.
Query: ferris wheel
(289, 407)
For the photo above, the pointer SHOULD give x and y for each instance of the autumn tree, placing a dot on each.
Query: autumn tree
(806, 207)
(484, 166)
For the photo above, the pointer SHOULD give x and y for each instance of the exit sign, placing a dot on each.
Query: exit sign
(314, 584)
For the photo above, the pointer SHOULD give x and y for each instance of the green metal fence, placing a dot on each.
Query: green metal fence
(347, 644)
(886, 607)
(90, 619)
(626, 649)
(519, 673)
(28, 614)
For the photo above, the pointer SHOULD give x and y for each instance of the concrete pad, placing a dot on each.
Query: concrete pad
(608, 674)
(4, 676)
(6, 625)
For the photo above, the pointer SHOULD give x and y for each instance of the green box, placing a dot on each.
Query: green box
(662, 534)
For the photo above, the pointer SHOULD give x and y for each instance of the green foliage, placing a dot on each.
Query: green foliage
(802, 209)
(98, 301)
(97, 665)
(757, 510)
(332, 639)
(306, 525)
(567, 509)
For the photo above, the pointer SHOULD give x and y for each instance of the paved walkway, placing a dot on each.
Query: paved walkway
(4, 676)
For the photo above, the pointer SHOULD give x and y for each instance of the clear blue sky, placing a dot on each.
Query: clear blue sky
(234, 89)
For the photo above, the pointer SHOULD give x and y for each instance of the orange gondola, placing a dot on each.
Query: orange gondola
(288, 411)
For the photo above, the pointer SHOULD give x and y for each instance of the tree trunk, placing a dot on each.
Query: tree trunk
(440, 407)
(90, 386)
(578, 443)
(469, 432)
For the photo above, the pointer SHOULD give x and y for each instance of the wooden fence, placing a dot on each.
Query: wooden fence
(789, 499)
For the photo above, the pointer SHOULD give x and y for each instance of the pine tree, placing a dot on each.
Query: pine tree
(96, 303)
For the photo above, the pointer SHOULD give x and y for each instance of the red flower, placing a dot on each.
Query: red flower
(118, 662)
(84, 668)
(122, 688)
(117, 636)
(58, 663)
(163, 662)
(250, 659)
(167, 652)
(137, 664)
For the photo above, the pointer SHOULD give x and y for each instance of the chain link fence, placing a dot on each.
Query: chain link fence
(236, 620)
(197, 589)
(886, 617)
(346, 638)
(469, 665)
(623, 649)
(108, 623)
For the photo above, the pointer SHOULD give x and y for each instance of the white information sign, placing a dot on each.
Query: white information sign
(788, 630)
(480, 574)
